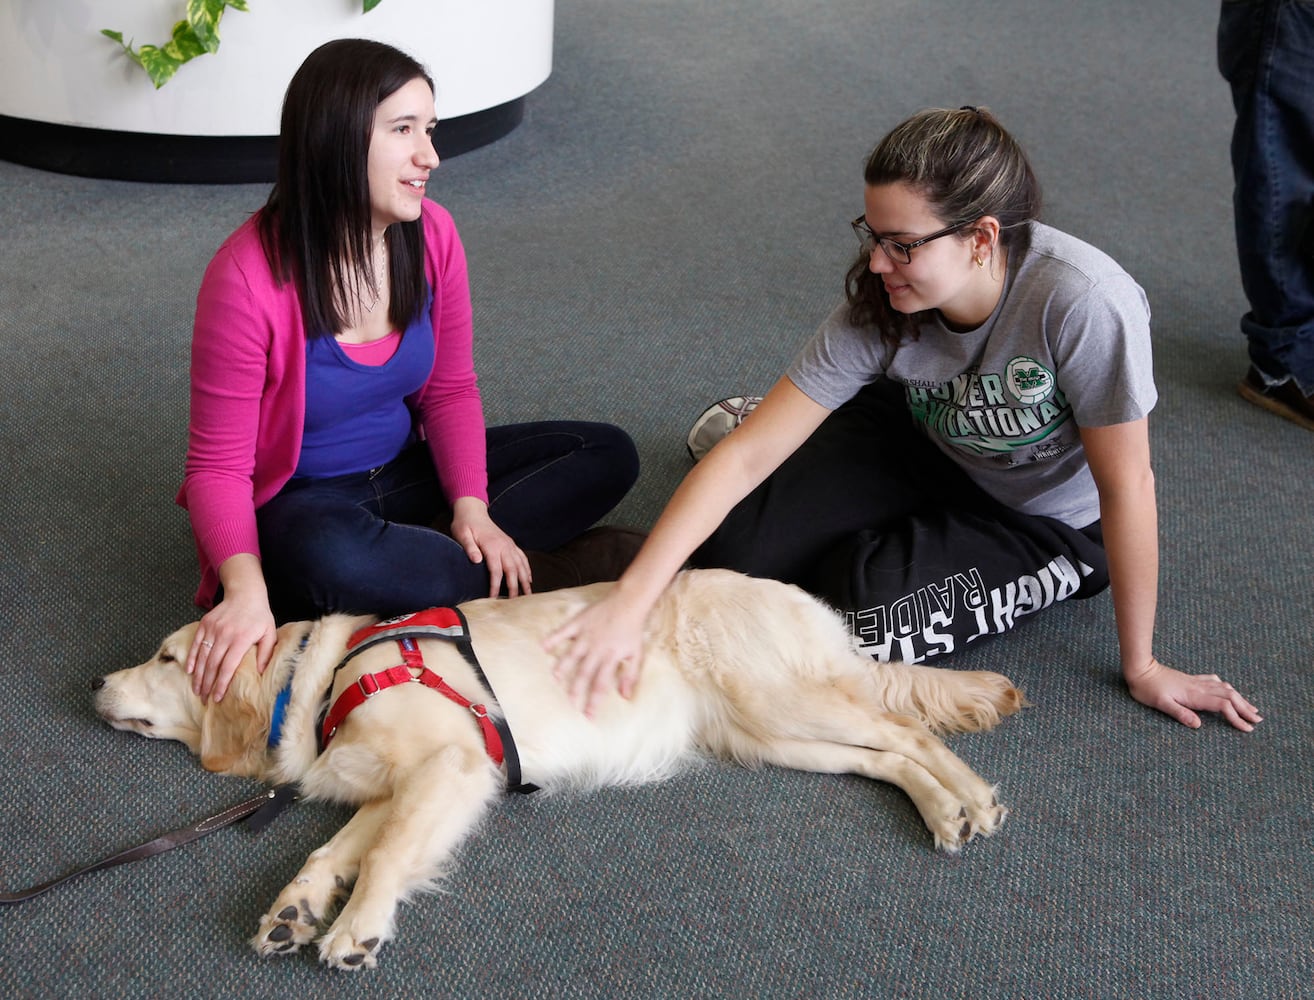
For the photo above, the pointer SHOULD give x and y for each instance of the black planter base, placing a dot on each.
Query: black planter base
(194, 159)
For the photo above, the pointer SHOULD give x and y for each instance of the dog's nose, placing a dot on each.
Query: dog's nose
(97, 683)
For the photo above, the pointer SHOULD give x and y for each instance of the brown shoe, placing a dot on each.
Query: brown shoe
(1286, 399)
(600, 554)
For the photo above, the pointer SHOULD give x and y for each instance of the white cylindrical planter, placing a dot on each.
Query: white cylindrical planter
(71, 100)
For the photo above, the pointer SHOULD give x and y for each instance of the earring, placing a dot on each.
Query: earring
(979, 261)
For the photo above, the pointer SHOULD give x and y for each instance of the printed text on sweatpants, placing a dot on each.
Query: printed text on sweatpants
(941, 617)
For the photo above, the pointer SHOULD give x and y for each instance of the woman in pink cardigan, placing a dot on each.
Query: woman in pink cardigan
(337, 455)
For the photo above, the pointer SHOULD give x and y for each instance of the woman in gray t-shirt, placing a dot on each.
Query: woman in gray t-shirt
(962, 443)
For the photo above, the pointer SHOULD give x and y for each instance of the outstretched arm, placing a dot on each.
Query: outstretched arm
(601, 648)
(1119, 457)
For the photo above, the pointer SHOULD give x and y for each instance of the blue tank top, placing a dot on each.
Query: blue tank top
(356, 415)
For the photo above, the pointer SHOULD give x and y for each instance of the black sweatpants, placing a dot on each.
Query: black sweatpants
(872, 517)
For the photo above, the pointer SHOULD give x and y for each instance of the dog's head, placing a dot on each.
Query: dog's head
(155, 699)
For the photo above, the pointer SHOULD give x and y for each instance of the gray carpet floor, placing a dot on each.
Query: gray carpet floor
(665, 227)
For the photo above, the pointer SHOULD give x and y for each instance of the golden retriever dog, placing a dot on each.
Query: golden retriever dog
(747, 670)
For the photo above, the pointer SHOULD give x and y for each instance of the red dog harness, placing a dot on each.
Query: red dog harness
(441, 623)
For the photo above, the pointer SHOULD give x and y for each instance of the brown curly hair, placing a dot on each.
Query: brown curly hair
(967, 166)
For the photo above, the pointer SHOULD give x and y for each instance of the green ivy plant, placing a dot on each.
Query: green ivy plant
(193, 37)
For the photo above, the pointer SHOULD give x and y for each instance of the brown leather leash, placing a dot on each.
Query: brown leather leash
(262, 809)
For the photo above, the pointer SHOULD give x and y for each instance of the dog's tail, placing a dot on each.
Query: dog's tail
(947, 701)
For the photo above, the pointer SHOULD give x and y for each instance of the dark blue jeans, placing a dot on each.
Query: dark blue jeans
(1266, 54)
(373, 541)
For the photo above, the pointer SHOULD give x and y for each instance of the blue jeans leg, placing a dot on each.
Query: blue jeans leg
(367, 543)
(1266, 54)
(550, 481)
(360, 543)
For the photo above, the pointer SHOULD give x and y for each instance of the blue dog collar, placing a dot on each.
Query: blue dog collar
(279, 714)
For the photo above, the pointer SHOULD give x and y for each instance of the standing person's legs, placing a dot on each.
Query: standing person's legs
(1266, 54)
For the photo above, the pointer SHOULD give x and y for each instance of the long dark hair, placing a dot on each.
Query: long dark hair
(316, 226)
(967, 166)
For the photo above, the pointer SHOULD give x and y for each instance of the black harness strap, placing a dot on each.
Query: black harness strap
(466, 648)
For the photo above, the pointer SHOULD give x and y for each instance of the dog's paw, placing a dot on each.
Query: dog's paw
(985, 818)
(339, 949)
(974, 819)
(950, 832)
(285, 930)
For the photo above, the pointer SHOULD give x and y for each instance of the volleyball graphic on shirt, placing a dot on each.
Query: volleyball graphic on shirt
(1028, 380)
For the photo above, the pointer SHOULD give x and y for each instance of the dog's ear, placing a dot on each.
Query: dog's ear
(234, 731)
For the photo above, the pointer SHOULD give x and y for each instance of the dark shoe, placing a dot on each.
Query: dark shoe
(1286, 399)
(600, 554)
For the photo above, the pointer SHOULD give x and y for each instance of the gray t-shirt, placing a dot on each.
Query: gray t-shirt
(1067, 346)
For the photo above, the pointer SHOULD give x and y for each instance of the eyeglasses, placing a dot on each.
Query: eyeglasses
(900, 253)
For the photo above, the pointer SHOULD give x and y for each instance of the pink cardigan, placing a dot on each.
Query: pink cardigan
(248, 391)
